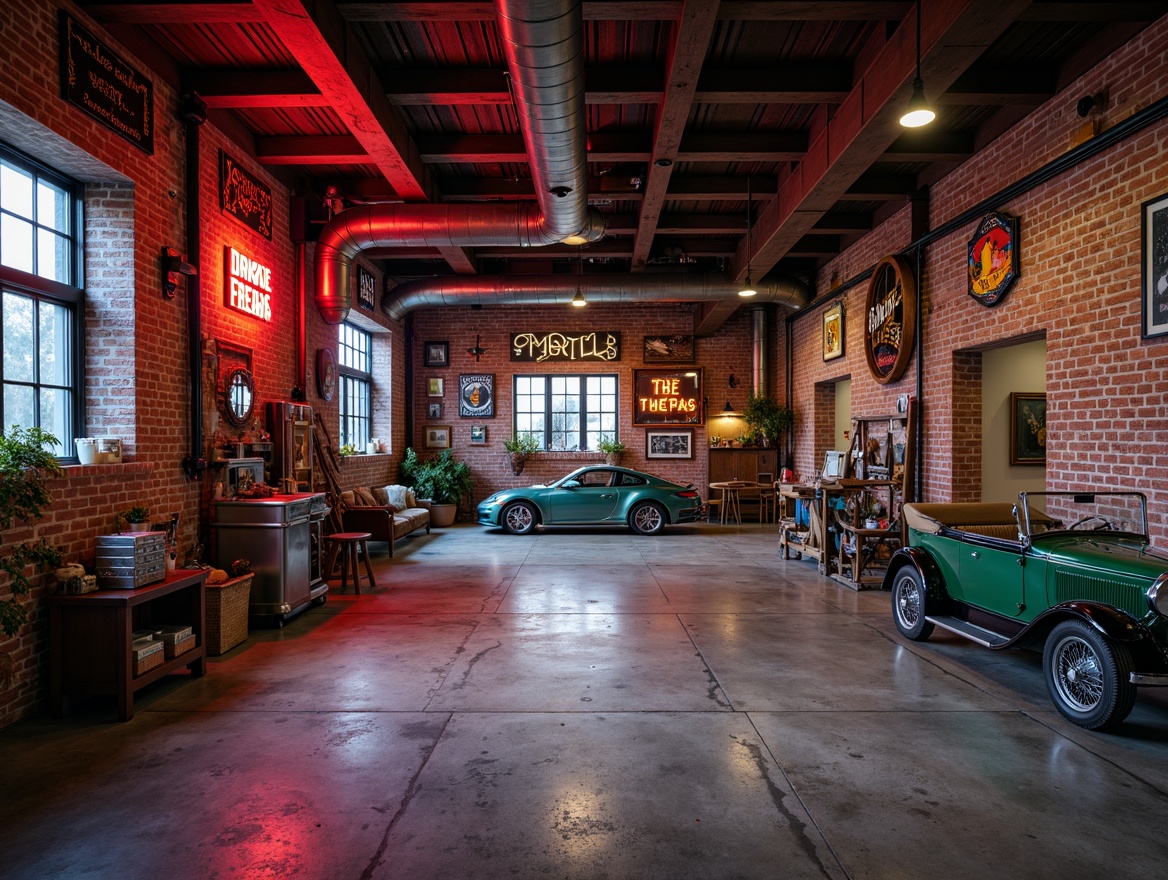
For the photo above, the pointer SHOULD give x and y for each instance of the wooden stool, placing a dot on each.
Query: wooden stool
(347, 543)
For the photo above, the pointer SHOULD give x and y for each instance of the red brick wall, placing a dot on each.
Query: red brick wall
(1079, 288)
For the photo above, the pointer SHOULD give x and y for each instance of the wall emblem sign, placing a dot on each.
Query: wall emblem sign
(993, 258)
(890, 319)
(244, 196)
(599, 345)
(366, 289)
(98, 80)
(476, 396)
(668, 397)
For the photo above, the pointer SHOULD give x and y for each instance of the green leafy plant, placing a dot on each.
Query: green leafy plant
(767, 417)
(26, 466)
(610, 445)
(521, 444)
(441, 479)
(137, 514)
(348, 449)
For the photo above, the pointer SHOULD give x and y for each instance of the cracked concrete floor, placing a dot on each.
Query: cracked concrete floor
(589, 704)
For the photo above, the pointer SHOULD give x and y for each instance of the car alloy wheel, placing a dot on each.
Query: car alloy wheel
(1087, 675)
(519, 518)
(647, 519)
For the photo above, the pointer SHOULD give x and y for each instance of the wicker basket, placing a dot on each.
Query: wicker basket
(227, 614)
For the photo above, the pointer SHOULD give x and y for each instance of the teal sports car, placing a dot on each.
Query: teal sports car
(594, 495)
(1069, 573)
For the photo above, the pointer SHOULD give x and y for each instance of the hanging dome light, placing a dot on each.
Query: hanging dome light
(578, 300)
(747, 288)
(918, 112)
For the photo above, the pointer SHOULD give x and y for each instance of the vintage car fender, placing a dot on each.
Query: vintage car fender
(926, 568)
(1117, 625)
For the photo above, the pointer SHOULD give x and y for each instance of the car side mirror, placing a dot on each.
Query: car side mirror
(571, 484)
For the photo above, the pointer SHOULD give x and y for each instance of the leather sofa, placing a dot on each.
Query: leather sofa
(385, 513)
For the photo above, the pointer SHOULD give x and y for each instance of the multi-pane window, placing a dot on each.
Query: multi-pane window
(355, 371)
(566, 413)
(40, 306)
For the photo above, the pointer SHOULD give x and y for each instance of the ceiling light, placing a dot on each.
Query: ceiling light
(747, 289)
(918, 112)
(578, 300)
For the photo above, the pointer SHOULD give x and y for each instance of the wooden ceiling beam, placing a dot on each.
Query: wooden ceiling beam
(683, 69)
(479, 86)
(796, 84)
(635, 10)
(311, 150)
(164, 13)
(239, 89)
(330, 52)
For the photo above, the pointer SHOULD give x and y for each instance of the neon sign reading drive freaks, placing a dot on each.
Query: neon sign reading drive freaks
(599, 345)
(249, 285)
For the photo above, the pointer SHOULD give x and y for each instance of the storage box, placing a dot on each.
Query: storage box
(148, 656)
(172, 649)
(171, 633)
(126, 562)
(227, 606)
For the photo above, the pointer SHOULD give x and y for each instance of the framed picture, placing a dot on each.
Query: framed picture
(437, 354)
(434, 388)
(677, 443)
(478, 435)
(434, 410)
(1027, 428)
(1155, 266)
(833, 332)
(476, 396)
(436, 436)
(366, 289)
(667, 350)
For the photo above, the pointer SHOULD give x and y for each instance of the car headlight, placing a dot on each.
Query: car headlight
(1158, 595)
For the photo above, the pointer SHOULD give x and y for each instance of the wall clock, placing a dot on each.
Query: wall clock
(326, 373)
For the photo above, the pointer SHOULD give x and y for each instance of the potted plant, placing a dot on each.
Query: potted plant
(136, 519)
(26, 466)
(519, 448)
(611, 448)
(768, 419)
(442, 480)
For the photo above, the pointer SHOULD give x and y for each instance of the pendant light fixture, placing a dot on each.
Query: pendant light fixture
(918, 112)
(578, 300)
(747, 288)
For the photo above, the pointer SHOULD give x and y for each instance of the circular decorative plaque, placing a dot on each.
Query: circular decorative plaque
(890, 319)
(326, 373)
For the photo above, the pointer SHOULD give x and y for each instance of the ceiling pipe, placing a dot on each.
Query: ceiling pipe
(547, 290)
(544, 45)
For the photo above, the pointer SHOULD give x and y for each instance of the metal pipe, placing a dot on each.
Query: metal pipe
(547, 290)
(299, 390)
(759, 364)
(194, 113)
(544, 45)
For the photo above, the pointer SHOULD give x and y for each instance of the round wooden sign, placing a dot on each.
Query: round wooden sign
(890, 319)
(326, 373)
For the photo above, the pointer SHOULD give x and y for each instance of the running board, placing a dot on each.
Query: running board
(984, 637)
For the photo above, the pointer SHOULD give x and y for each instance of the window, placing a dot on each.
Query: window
(566, 413)
(40, 300)
(355, 373)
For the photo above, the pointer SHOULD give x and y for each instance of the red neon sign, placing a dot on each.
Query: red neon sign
(249, 285)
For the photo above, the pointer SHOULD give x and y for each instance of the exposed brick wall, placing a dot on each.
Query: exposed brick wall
(1079, 288)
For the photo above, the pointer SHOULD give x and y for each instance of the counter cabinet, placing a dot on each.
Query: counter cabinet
(90, 638)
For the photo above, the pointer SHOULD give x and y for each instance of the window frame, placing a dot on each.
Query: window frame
(69, 296)
(350, 378)
(583, 412)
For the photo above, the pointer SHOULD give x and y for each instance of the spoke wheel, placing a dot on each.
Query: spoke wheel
(910, 605)
(1087, 675)
(519, 518)
(647, 519)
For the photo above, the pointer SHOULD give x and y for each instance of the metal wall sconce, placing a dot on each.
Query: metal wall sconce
(173, 265)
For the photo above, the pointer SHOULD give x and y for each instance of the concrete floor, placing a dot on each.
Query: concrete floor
(589, 704)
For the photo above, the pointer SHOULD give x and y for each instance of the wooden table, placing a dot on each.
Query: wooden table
(90, 638)
(731, 500)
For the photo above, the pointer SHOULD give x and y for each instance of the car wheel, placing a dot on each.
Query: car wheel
(910, 605)
(1087, 675)
(647, 518)
(518, 518)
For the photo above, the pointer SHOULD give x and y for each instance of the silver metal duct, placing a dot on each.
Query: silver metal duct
(461, 290)
(759, 361)
(544, 45)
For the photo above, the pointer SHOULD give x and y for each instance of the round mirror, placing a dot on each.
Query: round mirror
(240, 393)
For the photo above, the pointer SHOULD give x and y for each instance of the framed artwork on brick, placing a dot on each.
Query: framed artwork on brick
(675, 443)
(476, 396)
(833, 332)
(1155, 266)
(1028, 428)
(434, 410)
(437, 354)
(434, 387)
(436, 436)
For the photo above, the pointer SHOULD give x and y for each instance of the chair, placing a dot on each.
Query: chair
(767, 495)
(348, 544)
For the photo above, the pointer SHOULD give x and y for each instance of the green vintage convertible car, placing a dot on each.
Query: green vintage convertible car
(1070, 573)
(594, 495)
